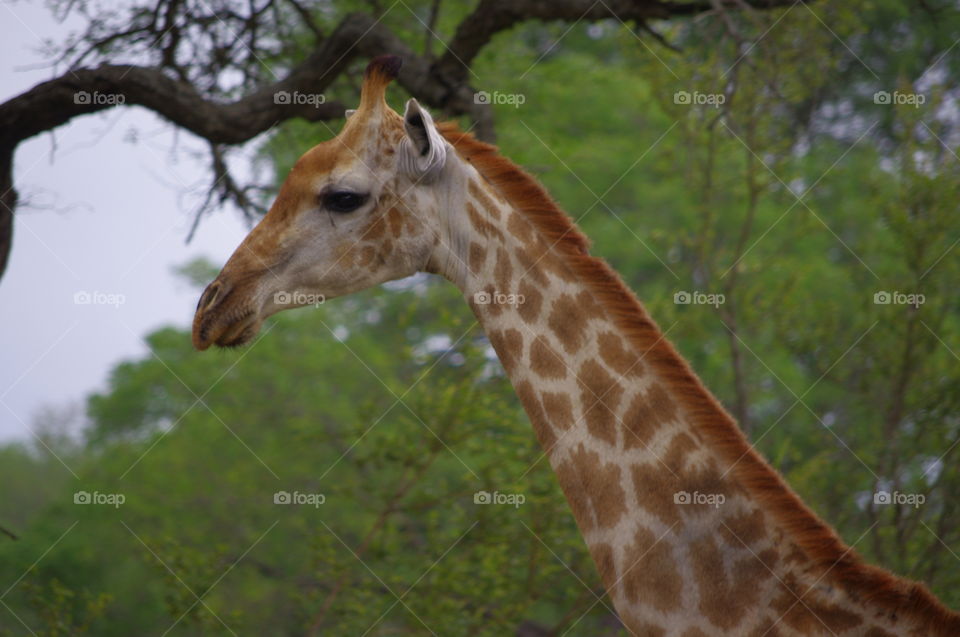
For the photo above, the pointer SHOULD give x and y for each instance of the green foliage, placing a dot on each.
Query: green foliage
(199, 446)
(58, 606)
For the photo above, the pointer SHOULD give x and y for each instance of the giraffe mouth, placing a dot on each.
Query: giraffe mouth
(215, 323)
(239, 332)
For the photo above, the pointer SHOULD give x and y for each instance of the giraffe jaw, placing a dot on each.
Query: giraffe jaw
(216, 323)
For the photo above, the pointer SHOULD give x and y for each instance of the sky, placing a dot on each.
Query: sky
(110, 198)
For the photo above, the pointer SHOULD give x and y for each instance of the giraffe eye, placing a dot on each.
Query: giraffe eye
(343, 201)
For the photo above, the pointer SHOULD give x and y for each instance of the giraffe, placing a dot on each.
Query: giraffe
(692, 532)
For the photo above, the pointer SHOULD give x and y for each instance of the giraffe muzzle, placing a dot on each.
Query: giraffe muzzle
(222, 318)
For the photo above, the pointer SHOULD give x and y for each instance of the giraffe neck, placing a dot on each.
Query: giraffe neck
(613, 433)
(647, 459)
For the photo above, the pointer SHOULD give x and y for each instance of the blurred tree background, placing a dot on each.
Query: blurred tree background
(799, 161)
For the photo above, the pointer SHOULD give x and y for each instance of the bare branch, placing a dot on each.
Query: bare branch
(493, 16)
(189, 89)
(8, 533)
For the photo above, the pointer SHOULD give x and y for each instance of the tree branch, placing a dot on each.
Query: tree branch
(493, 16)
(8, 533)
(166, 91)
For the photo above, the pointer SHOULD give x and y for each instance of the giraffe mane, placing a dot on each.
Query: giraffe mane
(839, 562)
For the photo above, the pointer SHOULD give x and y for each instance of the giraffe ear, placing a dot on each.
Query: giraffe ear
(349, 113)
(423, 151)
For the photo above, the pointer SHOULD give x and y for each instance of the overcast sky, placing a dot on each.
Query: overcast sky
(109, 217)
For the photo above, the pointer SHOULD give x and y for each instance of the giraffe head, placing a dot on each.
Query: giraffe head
(355, 211)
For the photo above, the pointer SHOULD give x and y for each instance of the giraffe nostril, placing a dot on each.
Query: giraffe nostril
(209, 297)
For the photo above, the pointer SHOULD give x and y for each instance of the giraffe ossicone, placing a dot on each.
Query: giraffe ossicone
(692, 532)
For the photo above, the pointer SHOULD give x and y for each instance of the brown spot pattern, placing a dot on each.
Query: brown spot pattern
(676, 454)
(796, 555)
(588, 303)
(652, 577)
(657, 482)
(655, 486)
(600, 481)
(650, 630)
(483, 199)
(395, 219)
(744, 528)
(539, 420)
(545, 361)
(569, 322)
(375, 230)
(503, 272)
(639, 422)
(366, 256)
(543, 253)
(477, 257)
(573, 489)
(559, 407)
(481, 225)
(600, 394)
(725, 595)
(767, 628)
(647, 412)
(530, 268)
(519, 227)
(624, 361)
(602, 554)
(508, 344)
(838, 620)
(532, 301)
